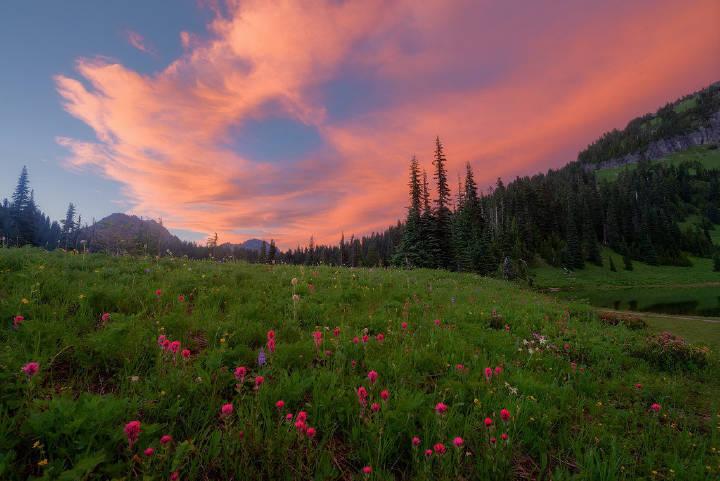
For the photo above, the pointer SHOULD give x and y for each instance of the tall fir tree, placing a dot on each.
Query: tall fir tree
(443, 214)
(409, 252)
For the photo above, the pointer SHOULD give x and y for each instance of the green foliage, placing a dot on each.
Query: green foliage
(670, 352)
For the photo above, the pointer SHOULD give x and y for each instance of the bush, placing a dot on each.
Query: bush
(668, 351)
(627, 320)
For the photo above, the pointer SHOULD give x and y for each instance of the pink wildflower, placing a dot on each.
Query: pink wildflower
(258, 381)
(362, 395)
(149, 452)
(174, 476)
(356, 340)
(416, 441)
(105, 317)
(655, 407)
(498, 370)
(226, 410)
(310, 432)
(380, 337)
(280, 404)
(458, 442)
(186, 353)
(271, 345)
(385, 394)
(372, 375)
(158, 292)
(17, 320)
(181, 298)
(375, 407)
(488, 373)
(428, 452)
(317, 337)
(240, 373)
(365, 338)
(404, 325)
(31, 368)
(174, 347)
(440, 408)
(367, 470)
(336, 332)
(132, 432)
(439, 448)
(505, 414)
(504, 436)
(488, 422)
(166, 438)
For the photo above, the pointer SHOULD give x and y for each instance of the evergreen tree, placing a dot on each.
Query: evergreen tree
(263, 252)
(68, 225)
(272, 253)
(574, 256)
(429, 244)
(627, 261)
(21, 211)
(410, 252)
(612, 265)
(443, 229)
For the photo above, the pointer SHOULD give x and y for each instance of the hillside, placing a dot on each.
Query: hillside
(422, 375)
(688, 122)
(121, 232)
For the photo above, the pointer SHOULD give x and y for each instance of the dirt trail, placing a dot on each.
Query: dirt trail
(712, 320)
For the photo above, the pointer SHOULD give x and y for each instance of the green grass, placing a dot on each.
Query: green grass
(694, 330)
(709, 158)
(595, 277)
(576, 413)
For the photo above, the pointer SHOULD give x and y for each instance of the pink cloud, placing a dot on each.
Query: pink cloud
(511, 90)
(137, 41)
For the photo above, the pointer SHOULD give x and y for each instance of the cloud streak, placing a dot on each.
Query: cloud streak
(512, 90)
(138, 41)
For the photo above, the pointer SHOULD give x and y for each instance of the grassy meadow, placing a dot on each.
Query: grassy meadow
(366, 374)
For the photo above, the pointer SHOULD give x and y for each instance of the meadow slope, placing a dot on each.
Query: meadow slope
(573, 396)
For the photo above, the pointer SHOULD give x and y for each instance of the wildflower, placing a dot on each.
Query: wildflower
(504, 436)
(166, 438)
(295, 298)
(258, 381)
(498, 370)
(161, 340)
(488, 373)
(31, 368)
(174, 347)
(271, 345)
(428, 452)
(505, 414)
(416, 441)
(17, 320)
(356, 340)
(507, 327)
(375, 407)
(105, 317)
(367, 470)
(488, 422)
(317, 337)
(439, 448)
(280, 404)
(353, 363)
(638, 386)
(166, 344)
(300, 425)
(226, 410)
(336, 332)
(493, 440)
(440, 408)
(655, 407)
(186, 353)
(380, 337)
(437, 322)
(149, 452)
(158, 292)
(372, 375)
(240, 373)
(294, 281)
(365, 338)
(404, 325)
(181, 298)
(43, 462)
(362, 395)
(289, 416)
(302, 416)
(174, 476)
(328, 353)
(261, 357)
(384, 394)
(458, 442)
(310, 432)
(271, 334)
(459, 367)
(132, 432)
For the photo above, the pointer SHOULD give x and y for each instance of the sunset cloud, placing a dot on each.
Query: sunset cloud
(137, 41)
(346, 92)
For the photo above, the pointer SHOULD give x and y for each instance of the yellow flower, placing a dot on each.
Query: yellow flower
(43, 462)
(82, 296)
(24, 301)
(37, 444)
(222, 340)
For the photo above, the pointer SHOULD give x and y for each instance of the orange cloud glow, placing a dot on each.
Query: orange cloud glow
(512, 90)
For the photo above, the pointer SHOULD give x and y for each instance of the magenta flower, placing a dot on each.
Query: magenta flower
(132, 432)
(655, 407)
(186, 353)
(439, 448)
(458, 442)
(372, 376)
(488, 373)
(440, 408)
(505, 414)
(31, 368)
(149, 452)
(385, 394)
(317, 337)
(166, 438)
(416, 441)
(226, 410)
(17, 320)
(240, 373)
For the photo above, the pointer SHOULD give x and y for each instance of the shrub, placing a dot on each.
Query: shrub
(627, 320)
(668, 351)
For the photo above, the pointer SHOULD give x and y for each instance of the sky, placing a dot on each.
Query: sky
(286, 119)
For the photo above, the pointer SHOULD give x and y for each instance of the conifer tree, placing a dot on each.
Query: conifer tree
(427, 222)
(410, 250)
(272, 253)
(573, 251)
(443, 214)
(263, 252)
